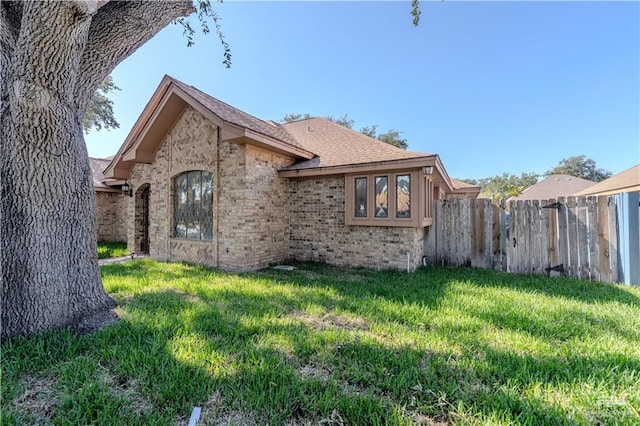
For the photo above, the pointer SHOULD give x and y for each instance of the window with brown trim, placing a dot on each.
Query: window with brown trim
(403, 196)
(394, 198)
(382, 197)
(360, 197)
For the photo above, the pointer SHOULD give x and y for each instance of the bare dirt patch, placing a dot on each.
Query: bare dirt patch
(129, 390)
(331, 320)
(215, 413)
(314, 372)
(39, 399)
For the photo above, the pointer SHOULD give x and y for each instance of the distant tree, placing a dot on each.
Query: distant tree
(392, 137)
(371, 131)
(343, 121)
(580, 166)
(289, 118)
(99, 113)
(505, 185)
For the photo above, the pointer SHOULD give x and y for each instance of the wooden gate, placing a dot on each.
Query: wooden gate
(574, 236)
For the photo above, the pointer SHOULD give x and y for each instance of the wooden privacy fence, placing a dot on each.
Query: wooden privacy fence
(594, 238)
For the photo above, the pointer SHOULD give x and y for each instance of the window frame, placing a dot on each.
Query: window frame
(202, 215)
(418, 193)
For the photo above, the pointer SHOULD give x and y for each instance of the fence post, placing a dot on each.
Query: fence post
(628, 241)
(604, 241)
(502, 235)
(592, 238)
(552, 234)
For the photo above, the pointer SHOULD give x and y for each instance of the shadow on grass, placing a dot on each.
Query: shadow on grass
(568, 288)
(177, 348)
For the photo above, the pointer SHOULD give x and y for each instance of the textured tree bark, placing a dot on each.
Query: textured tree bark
(54, 56)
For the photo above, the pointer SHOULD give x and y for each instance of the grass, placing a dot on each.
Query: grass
(106, 250)
(322, 345)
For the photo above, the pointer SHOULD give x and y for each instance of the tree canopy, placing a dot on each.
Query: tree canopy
(505, 185)
(580, 166)
(99, 114)
(508, 185)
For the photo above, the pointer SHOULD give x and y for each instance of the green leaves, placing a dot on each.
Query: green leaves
(580, 166)
(100, 111)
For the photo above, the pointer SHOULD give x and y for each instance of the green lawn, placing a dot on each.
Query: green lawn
(322, 345)
(106, 250)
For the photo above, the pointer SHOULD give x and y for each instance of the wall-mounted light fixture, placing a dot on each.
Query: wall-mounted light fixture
(127, 189)
(427, 170)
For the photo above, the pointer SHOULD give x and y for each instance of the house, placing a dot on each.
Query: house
(554, 186)
(626, 181)
(464, 190)
(216, 186)
(110, 205)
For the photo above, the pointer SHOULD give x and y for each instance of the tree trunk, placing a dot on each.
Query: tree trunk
(49, 266)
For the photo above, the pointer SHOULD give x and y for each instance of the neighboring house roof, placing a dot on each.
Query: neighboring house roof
(458, 184)
(97, 166)
(554, 186)
(626, 181)
(461, 187)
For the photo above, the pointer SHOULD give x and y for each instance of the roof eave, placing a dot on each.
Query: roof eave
(258, 139)
(403, 163)
(132, 151)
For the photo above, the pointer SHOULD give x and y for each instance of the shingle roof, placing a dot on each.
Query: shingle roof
(554, 186)
(336, 145)
(235, 116)
(458, 184)
(622, 182)
(97, 167)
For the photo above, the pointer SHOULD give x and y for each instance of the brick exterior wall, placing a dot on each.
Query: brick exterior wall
(111, 216)
(249, 216)
(258, 218)
(317, 231)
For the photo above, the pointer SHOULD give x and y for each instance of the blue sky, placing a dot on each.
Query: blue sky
(491, 87)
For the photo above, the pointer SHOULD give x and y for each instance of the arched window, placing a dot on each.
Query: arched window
(193, 205)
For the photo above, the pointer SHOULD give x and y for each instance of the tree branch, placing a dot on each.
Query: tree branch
(117, 30)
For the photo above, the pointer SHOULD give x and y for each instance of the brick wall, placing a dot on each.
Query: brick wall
(111, 216)
(318, 233)
(249, 216)
(190, 145)
(267, 226)
(259, 218)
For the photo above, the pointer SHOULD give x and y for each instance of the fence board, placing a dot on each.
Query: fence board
(552, 234)
(563, 234)
(465, 241)
(613, 238)
(572, 241)
(543, 236)
(502, 221)
(539, 233)
(511, 234)
(581, 234)
(592, 239)
(604, 249)
(496, 259)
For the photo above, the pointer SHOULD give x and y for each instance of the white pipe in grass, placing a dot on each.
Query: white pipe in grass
(195, 416)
